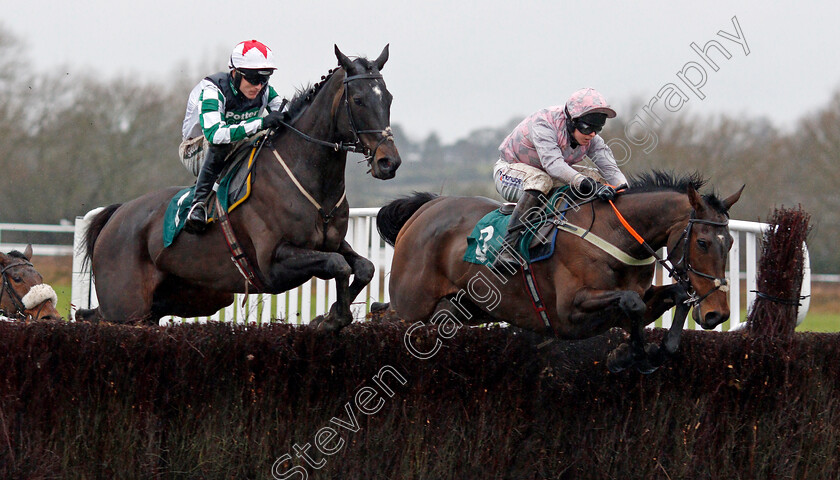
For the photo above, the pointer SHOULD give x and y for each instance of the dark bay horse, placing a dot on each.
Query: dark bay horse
(585, 290)
(291, 229)
(23, 293)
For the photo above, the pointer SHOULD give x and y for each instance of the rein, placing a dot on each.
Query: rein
(674, 270)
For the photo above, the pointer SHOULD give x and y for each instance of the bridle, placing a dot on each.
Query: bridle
(683, 267)
(356, 145)
(680, 270)
(6, 289)
(385, 133)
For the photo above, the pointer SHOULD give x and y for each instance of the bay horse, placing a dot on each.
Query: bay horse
(291, 229)
(585, 290)
(23, 293)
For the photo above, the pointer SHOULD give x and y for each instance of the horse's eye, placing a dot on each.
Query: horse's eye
(704, 245)
(16, 279)
(358, 101)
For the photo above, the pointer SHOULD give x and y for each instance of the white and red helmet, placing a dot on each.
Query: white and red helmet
(586, 101)
(252, 55)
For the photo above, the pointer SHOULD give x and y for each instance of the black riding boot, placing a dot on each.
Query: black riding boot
(524, 210)
(213, 164)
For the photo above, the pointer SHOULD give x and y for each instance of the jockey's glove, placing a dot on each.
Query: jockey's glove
(273, 120)
(587, 187)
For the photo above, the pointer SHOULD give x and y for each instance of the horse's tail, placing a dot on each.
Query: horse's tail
(97, 223)
(392, 217)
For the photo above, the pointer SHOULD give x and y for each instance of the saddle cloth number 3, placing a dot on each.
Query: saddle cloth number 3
(487, 234)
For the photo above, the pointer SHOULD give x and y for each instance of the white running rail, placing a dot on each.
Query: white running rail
(301, 304)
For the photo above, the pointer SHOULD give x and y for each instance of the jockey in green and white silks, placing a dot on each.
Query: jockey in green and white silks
(223, 109)
(538, 156)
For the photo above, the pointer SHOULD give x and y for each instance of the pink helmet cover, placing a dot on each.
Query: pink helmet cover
(588, 100)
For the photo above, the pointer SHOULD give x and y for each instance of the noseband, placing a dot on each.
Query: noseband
(17, 300)
(683, 267)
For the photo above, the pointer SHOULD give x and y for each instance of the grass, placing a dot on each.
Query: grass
(820, 322)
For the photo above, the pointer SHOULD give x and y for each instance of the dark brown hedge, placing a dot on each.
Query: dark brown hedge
(211, 401)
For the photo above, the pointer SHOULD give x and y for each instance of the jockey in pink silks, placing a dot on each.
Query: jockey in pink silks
(538, 156)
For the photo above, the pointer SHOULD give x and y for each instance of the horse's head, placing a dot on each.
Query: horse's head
(704, 247)
(369, 112)
(23, 293)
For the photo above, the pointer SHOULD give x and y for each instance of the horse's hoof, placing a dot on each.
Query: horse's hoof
(613, 364)
(655, 357)
(326, 324)
(87, 315)
(377, 307)
(619, 359)
(645, 367)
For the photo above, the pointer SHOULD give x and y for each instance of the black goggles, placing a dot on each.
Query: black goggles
(586, 128)
(257, 77)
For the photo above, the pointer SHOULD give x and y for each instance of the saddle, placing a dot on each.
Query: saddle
(485, 241)
(232, 189)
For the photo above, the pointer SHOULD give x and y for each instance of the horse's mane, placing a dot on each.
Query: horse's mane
(304, 95)
(16, 254)
(658, 181)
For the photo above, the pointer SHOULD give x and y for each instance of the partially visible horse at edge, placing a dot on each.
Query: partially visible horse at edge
(585, 290)
(292, 227)
(23, 293)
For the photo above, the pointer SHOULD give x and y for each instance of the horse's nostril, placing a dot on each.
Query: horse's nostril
(714, 319)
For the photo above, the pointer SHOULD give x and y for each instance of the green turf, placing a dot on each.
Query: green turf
(820, 322)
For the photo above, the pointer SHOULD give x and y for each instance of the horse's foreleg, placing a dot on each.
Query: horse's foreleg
(605, 304)
(363, 269)
(660, 299)
(296, 263)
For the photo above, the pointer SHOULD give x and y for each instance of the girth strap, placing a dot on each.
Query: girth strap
(239, 258)
(536, 298)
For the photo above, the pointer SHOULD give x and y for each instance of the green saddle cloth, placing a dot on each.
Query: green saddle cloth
(485, 241)
(234, 188)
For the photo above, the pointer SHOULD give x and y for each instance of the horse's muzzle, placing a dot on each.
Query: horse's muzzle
(385, 167)
(710, 319)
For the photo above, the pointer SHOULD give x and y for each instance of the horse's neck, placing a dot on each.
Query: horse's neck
(656, 215)
(319, 120)
(316, 167)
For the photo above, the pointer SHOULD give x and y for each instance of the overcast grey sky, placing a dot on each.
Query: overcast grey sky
(456, 66)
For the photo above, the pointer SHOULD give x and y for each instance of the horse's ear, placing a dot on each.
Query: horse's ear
(342, 59)
(383, 57)
(730, 200)
(27, 252)
(695, 200)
